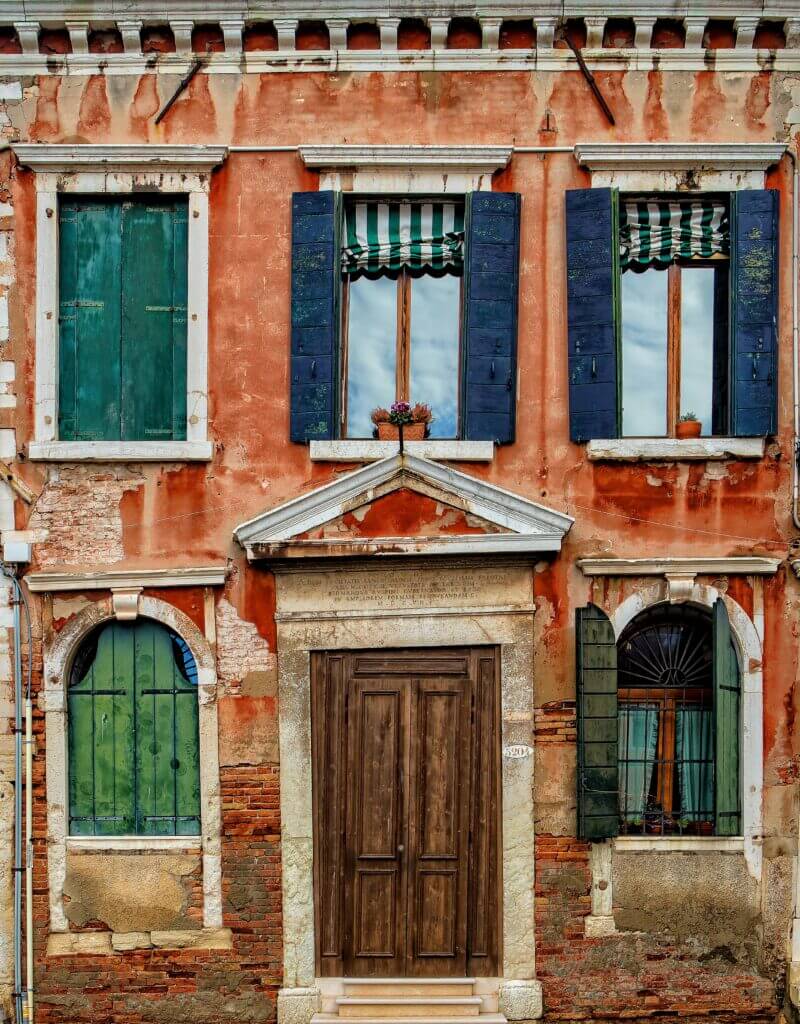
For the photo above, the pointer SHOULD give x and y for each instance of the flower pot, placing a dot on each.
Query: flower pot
(391, 432)
(689, 428)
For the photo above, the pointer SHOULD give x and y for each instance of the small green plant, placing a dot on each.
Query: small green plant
(687, 417)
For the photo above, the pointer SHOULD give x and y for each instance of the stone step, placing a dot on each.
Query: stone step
(408, 1006)
(483, 1018)
(409, 986)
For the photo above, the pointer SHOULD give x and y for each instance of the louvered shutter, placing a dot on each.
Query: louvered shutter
(596, 695)
(727, 718)
(592, 320)
(754, 312)
(315, 314)
(89, 335)
(491, 287)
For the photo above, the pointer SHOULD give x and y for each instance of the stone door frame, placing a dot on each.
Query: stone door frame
(362, 607)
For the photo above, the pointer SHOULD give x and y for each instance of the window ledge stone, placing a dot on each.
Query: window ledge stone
(122, 844)
(673, 449)
(108, 943)
(679, 844)
(120, 451)
(374, 451)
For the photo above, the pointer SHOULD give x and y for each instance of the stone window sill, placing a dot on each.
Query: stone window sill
(679, 844)
(133, 843)
(120, 451)
(109, 943)
(374, 451)
(673, 449)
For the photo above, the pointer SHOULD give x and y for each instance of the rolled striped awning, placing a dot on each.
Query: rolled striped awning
(385, 237)
(661, 231)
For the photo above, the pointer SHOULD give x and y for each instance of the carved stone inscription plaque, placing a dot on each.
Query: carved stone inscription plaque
(387, 589)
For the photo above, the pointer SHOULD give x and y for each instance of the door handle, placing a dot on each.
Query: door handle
(400, 848)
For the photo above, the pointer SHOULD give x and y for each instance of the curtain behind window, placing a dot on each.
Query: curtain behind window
(382, 238)
(657, 232)
(638, 737)
(695, 763)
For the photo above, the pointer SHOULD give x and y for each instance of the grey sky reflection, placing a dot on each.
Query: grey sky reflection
(644, 354)
(371, 348)
(434, 349)
(697, 343)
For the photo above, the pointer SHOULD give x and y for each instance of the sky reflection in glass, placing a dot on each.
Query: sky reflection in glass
(697, 343)
(371, 351)
(434, 349)
(644, 354)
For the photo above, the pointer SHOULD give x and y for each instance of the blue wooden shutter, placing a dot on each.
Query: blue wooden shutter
(727, 716)
(491, 287)
(592, 327)
(315, 315)
(754, 313)
(596, 698)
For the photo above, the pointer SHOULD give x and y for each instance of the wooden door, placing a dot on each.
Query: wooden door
(406, 811)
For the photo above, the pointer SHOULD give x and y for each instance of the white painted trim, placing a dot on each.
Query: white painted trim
(121, 451)
(65, 159)
(134, 843)
(191, 576)
(742, 565)
(77, 170)
(58, 655)
(679, 156)
(679, 844)
(374, 451)
(500, 507)
(673, 449)
(749, 650)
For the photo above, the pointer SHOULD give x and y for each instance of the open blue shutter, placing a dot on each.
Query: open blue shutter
(592, 284)
(727, 716)
(315, 314)
(491, 287)
(596, 699)
(754, 313)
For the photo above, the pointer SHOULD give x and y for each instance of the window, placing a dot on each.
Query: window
(122, 319)
(672, 313)
(402, 267)
(674, 298)
(658, 723)
(133, 734)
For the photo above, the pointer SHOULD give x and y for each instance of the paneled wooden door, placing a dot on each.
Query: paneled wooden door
(406, 812)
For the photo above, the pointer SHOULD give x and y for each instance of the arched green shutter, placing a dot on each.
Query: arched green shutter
(596, 695)
(727, 718)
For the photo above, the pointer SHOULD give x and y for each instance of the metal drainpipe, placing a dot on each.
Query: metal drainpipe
(795, 360)
(18, 995)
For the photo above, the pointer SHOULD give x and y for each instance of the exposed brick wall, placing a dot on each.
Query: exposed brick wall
(555, 722)
(629, 976)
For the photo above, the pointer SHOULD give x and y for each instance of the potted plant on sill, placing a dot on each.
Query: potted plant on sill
(416, 421)
(688, 426)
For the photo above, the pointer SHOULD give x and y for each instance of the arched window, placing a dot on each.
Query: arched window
(659, 723)
(134, 765)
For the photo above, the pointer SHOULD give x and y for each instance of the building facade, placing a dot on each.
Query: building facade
(495, 723)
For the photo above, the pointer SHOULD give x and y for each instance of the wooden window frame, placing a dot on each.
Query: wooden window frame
(403, 279)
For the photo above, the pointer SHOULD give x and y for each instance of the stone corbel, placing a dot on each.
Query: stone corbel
(286, 29)
(792, 29)
(545, 32)
(337, 30)
(182, 30)
(388, 30)
(232, 29)
(125, 603)
(79, 36)
(745, 32)
(695, 30)
(644, 32)
(438, 27)
(490, 31)
(680, 586)
(595, 27)
(131, 32)
(28, 32)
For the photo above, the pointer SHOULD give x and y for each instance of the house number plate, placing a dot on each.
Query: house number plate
(518, 750)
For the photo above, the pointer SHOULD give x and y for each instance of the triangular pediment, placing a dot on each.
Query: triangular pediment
(403, 505)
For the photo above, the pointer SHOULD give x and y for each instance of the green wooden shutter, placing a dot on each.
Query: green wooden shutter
(90, 264)
(154, 285)
(596, 696)
(727, 717)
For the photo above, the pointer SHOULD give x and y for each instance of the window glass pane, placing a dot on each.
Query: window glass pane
(644, 354)
(435, 304)
(697, 343)
(371, 351)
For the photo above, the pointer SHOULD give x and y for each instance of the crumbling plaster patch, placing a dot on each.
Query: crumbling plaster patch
(241, 650)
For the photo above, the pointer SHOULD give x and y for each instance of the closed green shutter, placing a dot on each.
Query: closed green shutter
(727, 716)
(596, 696)
(122, 324)
(90, 267)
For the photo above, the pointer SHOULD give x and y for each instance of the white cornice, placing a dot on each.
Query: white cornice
(486, 158)
(746, 565)
(125, 579)
(528, 525)
(679, 156)
(56, 158)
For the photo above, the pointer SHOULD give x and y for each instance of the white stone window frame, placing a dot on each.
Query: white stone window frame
(690, 168)
(402, 172)
(119, 170)
(58, 658)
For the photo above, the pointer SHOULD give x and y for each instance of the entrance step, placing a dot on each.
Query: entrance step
(409, 986)
(393, 1007)
(483, 1018)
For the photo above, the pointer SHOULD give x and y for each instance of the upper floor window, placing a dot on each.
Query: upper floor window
(406, 299)
(133, 733)
(672, 308)
(402, 267)
(122, 318)
(659, 715)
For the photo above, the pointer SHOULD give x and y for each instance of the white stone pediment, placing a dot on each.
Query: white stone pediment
(516, 524)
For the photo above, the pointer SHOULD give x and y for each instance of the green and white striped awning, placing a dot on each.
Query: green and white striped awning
(385, 237)
(661, 231)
